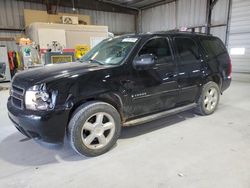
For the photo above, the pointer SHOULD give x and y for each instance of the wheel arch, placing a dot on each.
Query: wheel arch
(110, 98)
(215, 78)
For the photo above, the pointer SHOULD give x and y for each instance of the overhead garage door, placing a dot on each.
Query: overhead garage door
(239, 36)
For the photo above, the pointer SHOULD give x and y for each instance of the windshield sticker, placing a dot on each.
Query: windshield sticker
(130, 40)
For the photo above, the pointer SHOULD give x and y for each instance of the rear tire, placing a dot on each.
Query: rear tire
(209, 99)
(94, 128)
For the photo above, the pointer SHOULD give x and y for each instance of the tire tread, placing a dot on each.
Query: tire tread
(81, 112)
(199, 109)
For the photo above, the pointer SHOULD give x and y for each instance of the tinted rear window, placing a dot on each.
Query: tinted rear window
(213, 46)
(187, 49)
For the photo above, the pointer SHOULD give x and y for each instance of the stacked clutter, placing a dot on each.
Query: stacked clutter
(27, 57)
(15, 63)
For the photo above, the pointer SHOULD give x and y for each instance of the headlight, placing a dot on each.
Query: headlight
(37, 98)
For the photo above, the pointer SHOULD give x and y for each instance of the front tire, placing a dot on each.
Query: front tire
(209, 99)
(94, 128)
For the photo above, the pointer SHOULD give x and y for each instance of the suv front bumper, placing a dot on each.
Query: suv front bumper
(48, 126)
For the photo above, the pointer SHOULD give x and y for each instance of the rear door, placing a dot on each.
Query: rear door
(217, 59)
(190, 65)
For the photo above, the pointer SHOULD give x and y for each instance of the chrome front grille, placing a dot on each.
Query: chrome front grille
(17, 96)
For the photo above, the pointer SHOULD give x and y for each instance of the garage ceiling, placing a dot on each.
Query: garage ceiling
(138, 3)
(122, 6)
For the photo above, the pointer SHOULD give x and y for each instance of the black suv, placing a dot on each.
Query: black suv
(123, 81)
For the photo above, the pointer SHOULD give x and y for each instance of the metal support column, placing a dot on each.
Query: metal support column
(210, 6)
(228, 22)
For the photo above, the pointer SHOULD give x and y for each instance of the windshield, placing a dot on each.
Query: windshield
(110, 51)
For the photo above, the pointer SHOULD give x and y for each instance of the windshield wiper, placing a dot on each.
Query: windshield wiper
(96, 61)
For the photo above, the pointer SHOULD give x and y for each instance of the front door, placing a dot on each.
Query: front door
(155, 89)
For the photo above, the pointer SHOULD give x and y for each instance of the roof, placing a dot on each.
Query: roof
(172, 32)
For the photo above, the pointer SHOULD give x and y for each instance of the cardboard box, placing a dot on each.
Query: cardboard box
(31, 16)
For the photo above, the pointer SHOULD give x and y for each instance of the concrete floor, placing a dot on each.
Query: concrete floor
(184, 150)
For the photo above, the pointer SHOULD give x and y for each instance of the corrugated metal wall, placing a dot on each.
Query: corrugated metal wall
(185, 13)
(117, 22)
(219, 32)
(11, 16)
(219, 16)
(11, 12)
(182, 13)
(159, 18)
(239, 34)
(191, 13)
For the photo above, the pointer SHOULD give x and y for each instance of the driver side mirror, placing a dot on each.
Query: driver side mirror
(144, 62)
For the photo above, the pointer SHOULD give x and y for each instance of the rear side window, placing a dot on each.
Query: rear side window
(159, 47)
(213, 46)
(187, 49)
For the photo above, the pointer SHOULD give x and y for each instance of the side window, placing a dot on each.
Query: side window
(187, 49)
(213, 46)
(159, 47)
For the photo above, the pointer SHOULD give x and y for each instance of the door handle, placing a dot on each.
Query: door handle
(170, 75)
(127, 82)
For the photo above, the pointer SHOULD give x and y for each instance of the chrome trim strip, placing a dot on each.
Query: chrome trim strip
(154, 94)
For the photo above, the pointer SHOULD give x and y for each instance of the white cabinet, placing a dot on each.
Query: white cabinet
(4, 65)
(67, 35)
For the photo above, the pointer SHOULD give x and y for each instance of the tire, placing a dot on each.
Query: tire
(94, 128)
(209, 99)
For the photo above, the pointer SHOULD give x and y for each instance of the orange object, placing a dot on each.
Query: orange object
(25, 41)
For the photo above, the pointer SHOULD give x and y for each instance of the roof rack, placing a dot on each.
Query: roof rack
(167, 31)
(178, 31)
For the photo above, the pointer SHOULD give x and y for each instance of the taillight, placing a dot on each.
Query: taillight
(230, 69)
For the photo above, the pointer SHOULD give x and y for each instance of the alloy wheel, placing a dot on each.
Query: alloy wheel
(98, 130)
(210, 99)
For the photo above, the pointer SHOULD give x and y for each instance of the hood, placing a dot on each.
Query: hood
(55, 71)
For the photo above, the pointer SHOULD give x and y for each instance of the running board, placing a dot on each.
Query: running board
(159, 115)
